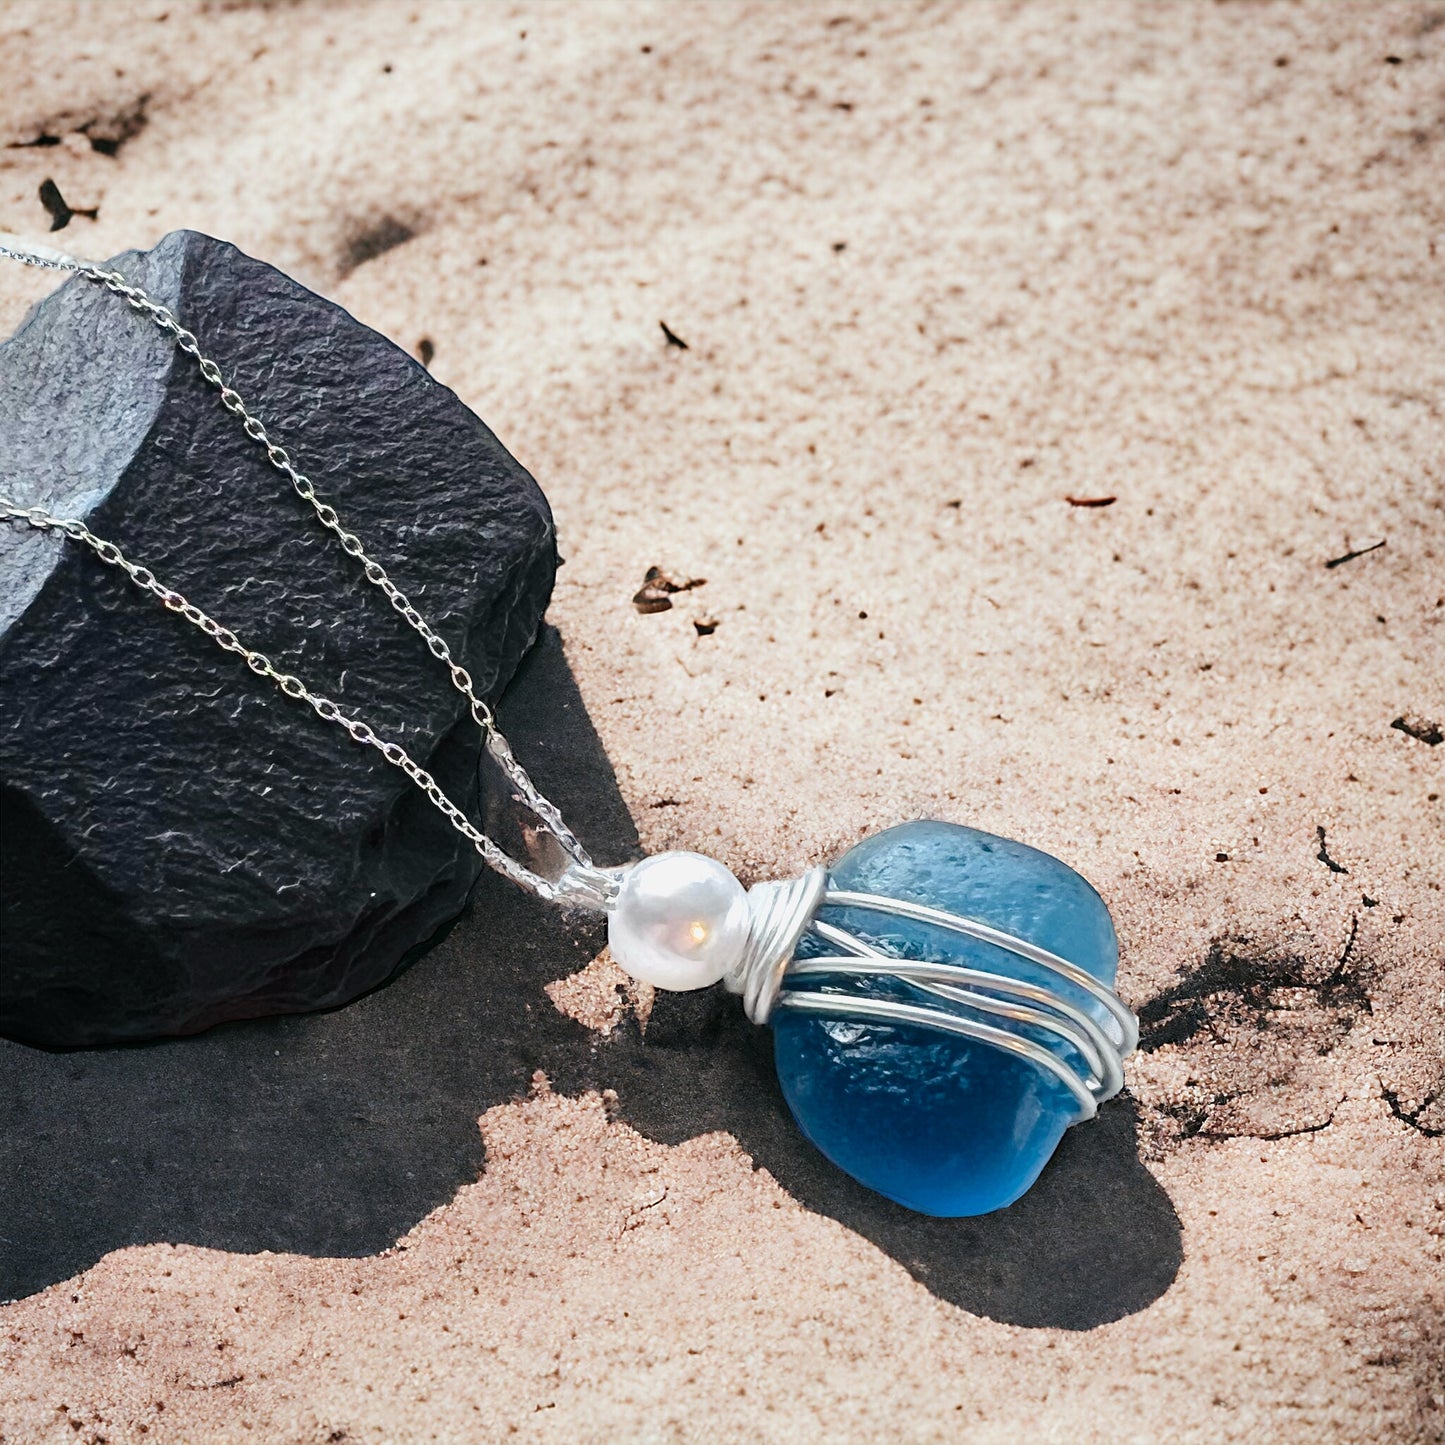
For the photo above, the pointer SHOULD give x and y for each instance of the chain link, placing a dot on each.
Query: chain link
(583, 882)
(280, 459)
(288, 683)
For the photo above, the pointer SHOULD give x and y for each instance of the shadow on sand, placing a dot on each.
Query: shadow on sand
(333, 1134)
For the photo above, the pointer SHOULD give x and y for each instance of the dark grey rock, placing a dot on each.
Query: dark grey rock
(179, 844)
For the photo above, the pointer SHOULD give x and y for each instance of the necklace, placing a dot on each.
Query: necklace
(941, 997)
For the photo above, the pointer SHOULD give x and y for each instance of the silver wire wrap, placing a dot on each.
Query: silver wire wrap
(981, 1004)
(582, 883)
(779, 915)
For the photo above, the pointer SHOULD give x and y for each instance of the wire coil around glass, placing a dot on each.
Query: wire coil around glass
(1083, 1044)
(780, 914)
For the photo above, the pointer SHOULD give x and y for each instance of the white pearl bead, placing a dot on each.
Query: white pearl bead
(679, 922)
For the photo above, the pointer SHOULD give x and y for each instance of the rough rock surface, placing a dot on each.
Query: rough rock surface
(182, 844)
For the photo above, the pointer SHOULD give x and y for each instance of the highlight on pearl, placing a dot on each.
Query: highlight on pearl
(680, 921)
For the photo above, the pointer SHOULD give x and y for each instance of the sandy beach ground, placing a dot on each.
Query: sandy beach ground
(939, 268)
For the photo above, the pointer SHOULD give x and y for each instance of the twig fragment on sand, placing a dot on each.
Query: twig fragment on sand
(1358, 552)
(1324, 856)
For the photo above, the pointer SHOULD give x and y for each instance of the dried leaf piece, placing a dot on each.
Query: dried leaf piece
(655, 594)
(1422, 729)
(59, 211)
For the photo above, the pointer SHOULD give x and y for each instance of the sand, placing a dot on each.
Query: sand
(938, 268)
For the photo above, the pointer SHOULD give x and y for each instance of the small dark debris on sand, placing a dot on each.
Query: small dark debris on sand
(1421, 729)
(1324, 854)
(1356, 552)
(655, 594)
(55, 205)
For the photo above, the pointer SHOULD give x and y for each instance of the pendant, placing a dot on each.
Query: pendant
(941, 1000)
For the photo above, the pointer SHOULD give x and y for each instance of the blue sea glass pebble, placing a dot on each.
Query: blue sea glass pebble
(942, 1124)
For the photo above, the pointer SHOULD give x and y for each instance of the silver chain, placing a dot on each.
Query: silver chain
(582, 882)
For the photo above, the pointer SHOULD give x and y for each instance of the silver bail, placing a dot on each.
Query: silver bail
(779, 915)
